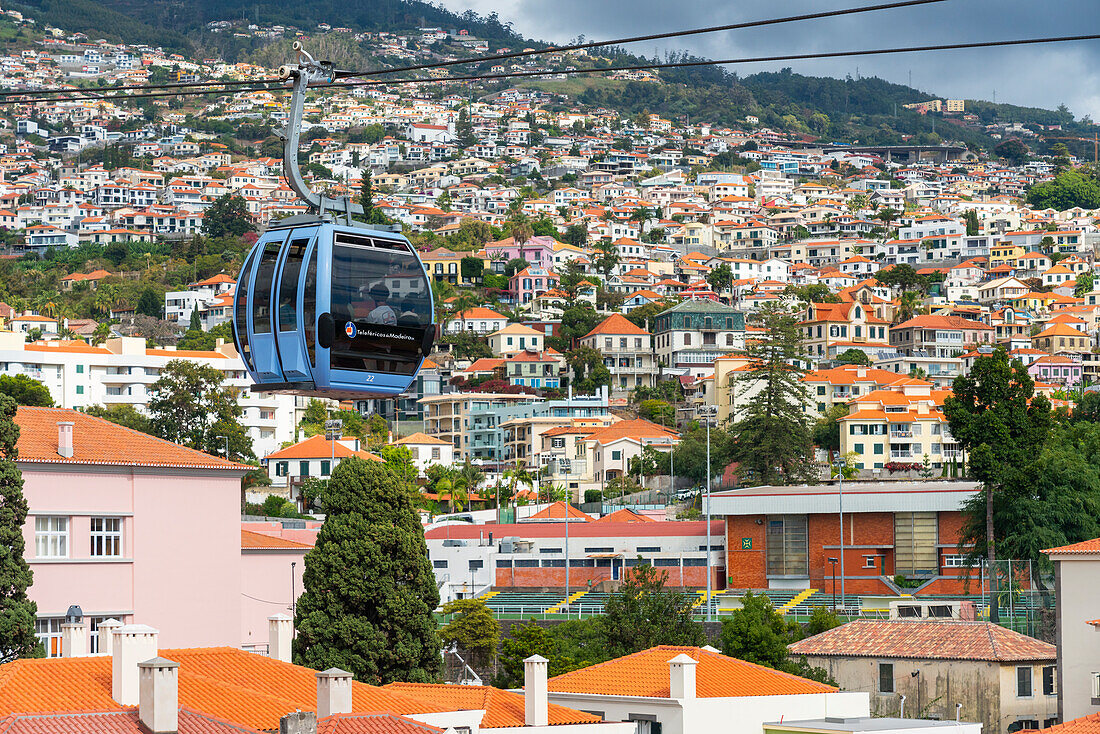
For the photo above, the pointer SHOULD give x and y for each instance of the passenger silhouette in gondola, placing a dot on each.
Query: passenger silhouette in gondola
(382, 313)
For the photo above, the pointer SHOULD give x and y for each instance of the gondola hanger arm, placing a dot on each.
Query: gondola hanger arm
(307, 71)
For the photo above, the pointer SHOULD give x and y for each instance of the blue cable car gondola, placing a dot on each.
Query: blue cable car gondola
(330, 308)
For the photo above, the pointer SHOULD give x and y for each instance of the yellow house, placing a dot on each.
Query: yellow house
(1003, 253)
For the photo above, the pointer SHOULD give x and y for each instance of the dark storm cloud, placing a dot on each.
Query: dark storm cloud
(1041, 76)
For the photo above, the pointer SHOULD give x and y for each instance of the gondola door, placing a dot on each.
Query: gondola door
(261, 302)
(292, 319)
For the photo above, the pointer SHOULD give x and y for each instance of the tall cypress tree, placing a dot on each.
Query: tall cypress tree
(17, 612)
(775, 439)
(369, 587)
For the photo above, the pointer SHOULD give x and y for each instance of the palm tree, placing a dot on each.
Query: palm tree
(908, 302)
(515, 476)
(471, 476)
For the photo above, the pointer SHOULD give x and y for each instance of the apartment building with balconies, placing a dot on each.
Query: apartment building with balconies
(692, 334)
(627, 351)
(939, 336)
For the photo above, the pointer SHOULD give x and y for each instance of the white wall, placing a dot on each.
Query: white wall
(1078, 642)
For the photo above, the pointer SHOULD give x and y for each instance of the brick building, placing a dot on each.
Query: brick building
(783, 537)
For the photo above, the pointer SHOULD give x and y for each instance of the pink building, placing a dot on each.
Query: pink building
(530, 282)
(271, 578)
(536, 251)
(1056, 369)
(129, 527)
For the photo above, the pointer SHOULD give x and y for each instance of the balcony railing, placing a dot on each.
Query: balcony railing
(901, 434)
(901, 454)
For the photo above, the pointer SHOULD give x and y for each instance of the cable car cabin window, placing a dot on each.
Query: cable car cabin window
(288, 285)
(241, 316)
(381, 305)
(265, 273)
(309, 308)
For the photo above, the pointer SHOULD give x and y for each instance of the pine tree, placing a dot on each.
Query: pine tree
(17, 612)
(775, 438)
(369, 588)
(196, 323)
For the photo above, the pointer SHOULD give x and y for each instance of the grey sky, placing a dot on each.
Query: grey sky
(1041, 76)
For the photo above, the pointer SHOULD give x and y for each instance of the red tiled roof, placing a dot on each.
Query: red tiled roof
(421, 439)
(558, 511)
(98, 441)
(631, 429)
(112, 722)
(319, 447)
(1089, 724)
(372, 724)
(617, 324)
(625, 515)
(502, 708)
(946, 640)
(1085, 546)
(646, 673)
(943, 322)
(250, 539)
(242, 687)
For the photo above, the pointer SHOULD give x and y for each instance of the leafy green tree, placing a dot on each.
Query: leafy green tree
(471, 267)
(1002, 425)
(123, 415)
(1084, 283)
(189, 405)
(691, 452)
(606, 258)
(17, 611)
(1013, 151)
(1070, 188)
(757, 633)
(473, 630)
(369, 587)
(902, 276)
(643, 613)
(854, 356)
(370, 214)
(972, 224)
(827, 429)
(589, 371)
(720, 278)
(531, 639)
(822, 619)
(149, 304)
(25, 390)
(643, 315)
(227, 216)
(812, 293)
(577, 321)
(774, 439)
(660, 412)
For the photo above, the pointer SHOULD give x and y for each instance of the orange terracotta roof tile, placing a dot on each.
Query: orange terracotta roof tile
(616, 324)
(646, 673)
(558, 511)
(1085, 546)
(503, 709)
(112, 722)
(420, 438)
(254, 540)
(318, 447)
(372, 724)
(238, 686)
(637, 429)
(1089, 724)
(940, 640)
(625, 515)
(98, 441)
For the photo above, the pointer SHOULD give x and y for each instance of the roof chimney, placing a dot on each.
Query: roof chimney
(535, 703)
(333, 692)
(130, 644)
(681, 676)
(74, 640)
(299, 722)
(158, 705)
(65, 439)
(279, 631)
(106, 632)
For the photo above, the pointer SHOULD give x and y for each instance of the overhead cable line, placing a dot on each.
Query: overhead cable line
(23, 97)
(127, 87)
(602, 70)
(719, 62)
(497, 57)
(340, 74)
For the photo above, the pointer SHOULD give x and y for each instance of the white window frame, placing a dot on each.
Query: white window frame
(106, 538)
(51, 536)
(48, 632)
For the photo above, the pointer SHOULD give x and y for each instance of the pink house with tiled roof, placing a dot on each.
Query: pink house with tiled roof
(129, 527)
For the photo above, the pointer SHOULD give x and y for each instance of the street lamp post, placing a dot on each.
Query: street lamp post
(226, 439)
(708, 411)
(832, 562)
(841, 463)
